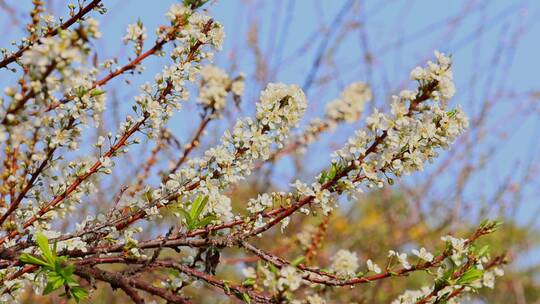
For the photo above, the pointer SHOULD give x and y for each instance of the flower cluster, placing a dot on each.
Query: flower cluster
(418, 125)
(350, 106)
(372, 266)
(59, 93)
(136, 34)
(288, 278)
(193, 28)
(401, 257)
(438, 72)
(56, 66)
(214, 87)
(280, 108)
(460, 268)
(65, 55)
(197, 30)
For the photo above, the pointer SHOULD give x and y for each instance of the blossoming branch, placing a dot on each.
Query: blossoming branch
(62, 93)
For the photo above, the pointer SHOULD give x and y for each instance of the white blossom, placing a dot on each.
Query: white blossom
(488, 279)
(214, 87)
(345, 263)
(135, 32)
(401, 257)
(423, 254)
(280, 108)
(372, 266)
(289, 278)
(350, 106)
(315, 299)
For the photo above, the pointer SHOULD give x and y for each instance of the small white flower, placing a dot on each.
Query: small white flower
(488, 279)
(418, 73)
(372, 266)
(290, 278)
(315, 299)
(350, 106)
(345, 263)
(135, 32)
(423, 254)
(176, 10)
(402, 258)
(238, 87)
(106, 162)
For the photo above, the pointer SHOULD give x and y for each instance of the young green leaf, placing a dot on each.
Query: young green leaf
(79, 293)
(298, 261)
(205, 221)
(483, 251)
(188, 218)
(43, 244)
(226, 287)
(246, 298)
(30, 259)
(54, 281)
(273, 268)
(198, 206)
(470, 276)
(96, 92)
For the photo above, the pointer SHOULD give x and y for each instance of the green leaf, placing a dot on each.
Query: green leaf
(249, 282)
(65, 271)
(198, 206)
(443, 299)
(444, 279)
(54, 281)
(246, 298)
(43, 244)
(79, 293)
(297, 261)
(483, 251)
(226, 287)
(192, 217)
(187, 217)
(194, 206)
(147, 196)
(96, 92)
(470, 275)
(497, 224)
(273, 268)
(333, 171)
(30, 259)
(206, 220)
(484, 223)
(323, 177)
(440, 283)
(54, 247)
